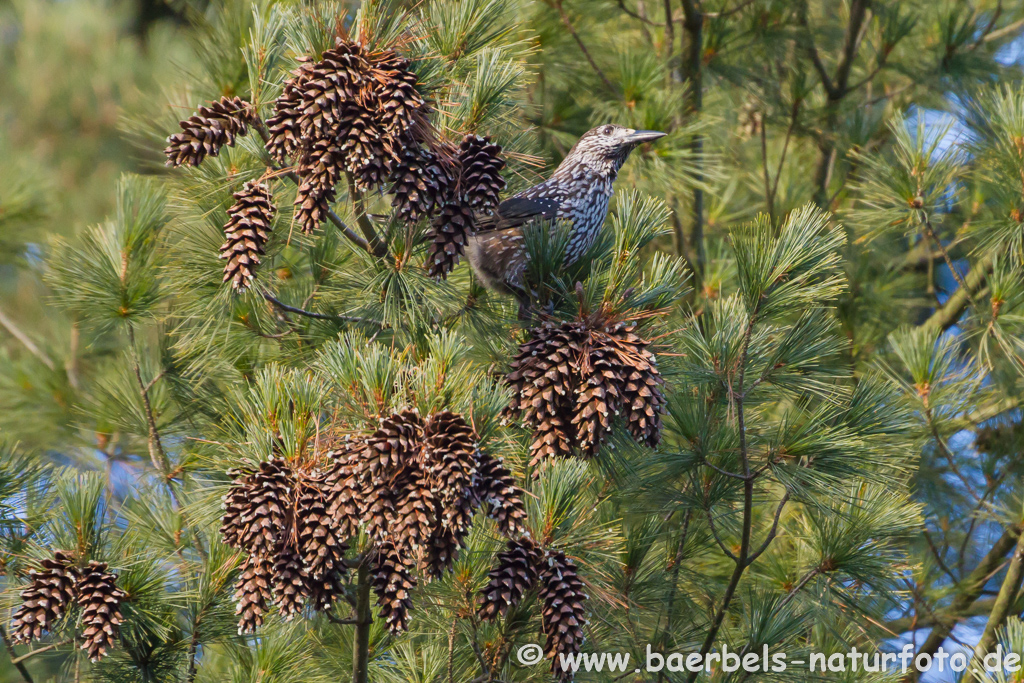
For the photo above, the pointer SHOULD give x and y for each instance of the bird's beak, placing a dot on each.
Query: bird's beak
(639, 136)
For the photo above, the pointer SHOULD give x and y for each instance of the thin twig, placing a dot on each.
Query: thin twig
(18, 334)
(772, 533)
(718, 540)
(374, 244)
(582, 46)
(312, 314)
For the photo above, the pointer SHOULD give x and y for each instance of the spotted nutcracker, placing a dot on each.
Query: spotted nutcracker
(576, 192)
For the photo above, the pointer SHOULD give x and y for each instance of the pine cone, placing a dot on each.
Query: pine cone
(395, 444)
(514, 573)
(253, 592)
(570, 378)
(451, 463)
(598, 397)
(249, 221)
(420, 182)
(411, 527)
(51, 589)
(544, 378)
(269, 495)
(497, 489)
(442, 549)
(319, 170)
(323, 547)
(324, 591)
(392, 582)
(401, 107)
(481, 182)
(100, 600)
(563, 617)
(345, 504)
(642, 395)
(448, 234)
(368, 156)
(289, 581)
(285, 137)
(334, 83)
(205, 132)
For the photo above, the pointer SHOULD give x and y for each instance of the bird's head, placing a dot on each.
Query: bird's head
(608, 146)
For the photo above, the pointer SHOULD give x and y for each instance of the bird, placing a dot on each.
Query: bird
(577, 193)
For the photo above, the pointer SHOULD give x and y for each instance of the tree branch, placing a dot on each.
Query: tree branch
(312, 314)
(950, 312)
(374, 244)
(969, 590)
(583, 48)
(18, 334)
(772, 533)
(1008, 592)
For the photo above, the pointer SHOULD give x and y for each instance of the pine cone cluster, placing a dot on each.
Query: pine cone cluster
(356, 111)
(205, 132)
(570, 378)
(249, 222)
(61, 585)
(520, 568)
(295, 552)
(479, 185)
(415, 485)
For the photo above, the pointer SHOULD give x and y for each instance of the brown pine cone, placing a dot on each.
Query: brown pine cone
(448, 235)
(599, 396)
(449, 458)
(289, 581)
(334, 83)
(369, 158)
(400, 105)
(481, 182)
(496, 488)
(544, 379)
(420, 183)
(100, 600)
(285, 137)
(642, 396)
(442, 549)
(253, 592)
(395, 444)
(345, 505)
(414, 516)
(514, 573)
(269, 498)
(392, 583)
(319, 169)
(249, 222)
(322, 546)
(50, 591)
(564, 614)
(212, 127)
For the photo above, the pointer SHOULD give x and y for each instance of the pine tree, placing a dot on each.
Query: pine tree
(273, 429)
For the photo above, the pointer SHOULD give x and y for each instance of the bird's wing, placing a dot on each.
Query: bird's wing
(515, 212)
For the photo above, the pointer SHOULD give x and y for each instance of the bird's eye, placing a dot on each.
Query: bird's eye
(608, 130)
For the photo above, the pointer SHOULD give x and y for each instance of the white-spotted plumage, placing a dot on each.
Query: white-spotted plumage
(577, 192)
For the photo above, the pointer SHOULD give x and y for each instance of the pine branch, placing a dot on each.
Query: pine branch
(374, 245)
(312, 314)
(364, 615)
(30, 345)
(583, 48)
(950, 312)
(969, 590)
(1001, 609)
